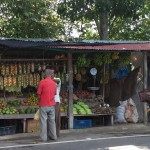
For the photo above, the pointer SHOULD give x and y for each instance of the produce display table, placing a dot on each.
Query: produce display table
(23, 117)
(18, 116)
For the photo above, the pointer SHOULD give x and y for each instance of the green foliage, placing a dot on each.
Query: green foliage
(123, 19)
(132, 29)
(105, 13)
(29, 19)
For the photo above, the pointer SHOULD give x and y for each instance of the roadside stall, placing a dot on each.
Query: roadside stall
(84, 68)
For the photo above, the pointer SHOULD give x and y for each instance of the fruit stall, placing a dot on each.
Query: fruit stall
(18, 87)
(86, 100)
(19, 82)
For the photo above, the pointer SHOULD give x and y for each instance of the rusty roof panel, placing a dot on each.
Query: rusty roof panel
(142, 46)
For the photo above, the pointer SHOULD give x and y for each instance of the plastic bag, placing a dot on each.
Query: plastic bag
(37, 115)
(120, 118)
(131, 114)
(128, 114)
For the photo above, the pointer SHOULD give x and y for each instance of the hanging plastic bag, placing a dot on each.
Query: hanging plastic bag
(37, 115)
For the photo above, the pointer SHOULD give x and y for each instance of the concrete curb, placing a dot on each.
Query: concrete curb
(120, 128)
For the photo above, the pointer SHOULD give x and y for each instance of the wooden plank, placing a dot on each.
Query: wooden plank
(17, 116)
(23, 116)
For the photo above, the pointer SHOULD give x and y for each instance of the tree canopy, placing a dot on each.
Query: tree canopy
(29, 19)
(75, 19)
(105, 13)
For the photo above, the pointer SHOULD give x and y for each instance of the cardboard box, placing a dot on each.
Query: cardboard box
(32, 125)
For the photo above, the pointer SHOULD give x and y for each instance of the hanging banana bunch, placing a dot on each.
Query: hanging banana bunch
(3, 70)
(34, 80)
(7, 71)
(5, 81)
(31, 80)
(14, 81)
(19, 80)
(1, 82)
(98, 59)
(19, 68)
(12, 69)
(32, 67)
(107, 58)
(37, 79)
(24, 69)
(28, 68)
(25, 80)
(9, 81)
(101, 58)
(15, 69)
(83, 61)
(124, 57)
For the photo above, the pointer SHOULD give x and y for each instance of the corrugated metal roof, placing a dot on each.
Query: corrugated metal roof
(142, 46)
(96, 45)
(114, 41)
(27, 43)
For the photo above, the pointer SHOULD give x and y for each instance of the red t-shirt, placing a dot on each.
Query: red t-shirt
(47, 91)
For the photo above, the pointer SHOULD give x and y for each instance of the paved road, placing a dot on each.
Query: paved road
(83, 142)
(118, 137)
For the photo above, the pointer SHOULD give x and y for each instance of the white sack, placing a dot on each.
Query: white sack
(120, 118)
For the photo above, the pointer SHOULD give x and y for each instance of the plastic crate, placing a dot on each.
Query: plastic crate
(8, 130)
(2, 131)
(12, 129)
(79, 124)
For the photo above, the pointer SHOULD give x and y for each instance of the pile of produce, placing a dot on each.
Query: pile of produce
(14, 103)
(97, 104)
(81, 108)
(32, 100)
(19, 106)
(3, 104)
(8, 110)
(28, 110)
(63, 108)
(86, 103)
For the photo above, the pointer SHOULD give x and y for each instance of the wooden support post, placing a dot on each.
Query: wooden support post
(103, 82)
(145, 71)
(70, 91)
(24, 125)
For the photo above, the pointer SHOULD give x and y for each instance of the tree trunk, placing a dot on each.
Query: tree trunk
(104, 26)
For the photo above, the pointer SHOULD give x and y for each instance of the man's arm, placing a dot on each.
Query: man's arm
(57, 80)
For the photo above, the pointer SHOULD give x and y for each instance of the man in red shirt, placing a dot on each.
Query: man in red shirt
(46, 92)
